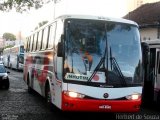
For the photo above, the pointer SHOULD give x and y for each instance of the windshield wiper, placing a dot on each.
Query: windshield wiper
(115, 66)
(102, 60)
(97, 68)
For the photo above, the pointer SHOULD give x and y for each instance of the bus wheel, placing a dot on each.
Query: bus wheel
(30, 90)
(17, 68)
(48, 97)
(48, 94)
(158, 99)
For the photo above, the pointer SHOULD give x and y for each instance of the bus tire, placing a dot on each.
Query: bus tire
(158, 100)
(30, 90)
(17, 68)
(48, 97)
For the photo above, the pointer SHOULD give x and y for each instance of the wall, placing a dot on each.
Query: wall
(133, 4)
(148, 33)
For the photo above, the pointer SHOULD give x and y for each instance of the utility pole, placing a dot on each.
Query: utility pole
(55, 2)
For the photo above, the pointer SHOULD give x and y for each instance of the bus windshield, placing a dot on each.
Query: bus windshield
(21, 58)
(21, 49)
(108, 51)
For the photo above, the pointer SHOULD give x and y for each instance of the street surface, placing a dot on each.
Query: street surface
(17, 104)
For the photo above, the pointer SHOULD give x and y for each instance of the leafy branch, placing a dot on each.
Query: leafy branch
(21, 5)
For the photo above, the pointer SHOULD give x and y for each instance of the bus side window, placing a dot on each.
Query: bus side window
(45, 37)
(27, 49)
(31, 43)
(58, 60)
(39, 39)
(35, 41)
(51, 36)
(59, 32)
(26, 45)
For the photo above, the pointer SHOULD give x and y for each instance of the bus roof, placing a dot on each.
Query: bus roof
(121, 20)
(153, 43)
(63, 17)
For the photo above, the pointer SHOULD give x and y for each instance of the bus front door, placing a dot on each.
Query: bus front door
(157, 77)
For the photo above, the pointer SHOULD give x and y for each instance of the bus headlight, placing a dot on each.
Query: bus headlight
(135, 96)
(74, 94)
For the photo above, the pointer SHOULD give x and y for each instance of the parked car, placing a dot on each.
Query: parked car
(4, 79)
(1, 59)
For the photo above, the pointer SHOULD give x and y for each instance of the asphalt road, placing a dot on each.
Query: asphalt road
(17, 104)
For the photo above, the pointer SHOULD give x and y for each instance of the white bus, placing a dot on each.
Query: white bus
(6, 54)
(86, 63)
(16, 57)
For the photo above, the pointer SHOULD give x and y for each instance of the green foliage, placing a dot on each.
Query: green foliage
(9, 36)
(21, 5)
(9, 46)
(41, 24)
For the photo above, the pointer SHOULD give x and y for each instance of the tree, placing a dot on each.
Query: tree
(9, 36)
(21, 5)
(41, 24)
(9, 46)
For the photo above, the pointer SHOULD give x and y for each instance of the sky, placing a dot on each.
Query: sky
(14, 22)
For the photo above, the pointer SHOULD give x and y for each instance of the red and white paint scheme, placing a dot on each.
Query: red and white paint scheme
(86, 63)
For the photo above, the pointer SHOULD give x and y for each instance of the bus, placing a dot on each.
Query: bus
(16, 57)
(151, 92)
(86, 63)
(6, 54)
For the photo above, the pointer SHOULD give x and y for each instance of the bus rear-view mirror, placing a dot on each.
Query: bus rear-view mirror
(60, 49)
(145, 52)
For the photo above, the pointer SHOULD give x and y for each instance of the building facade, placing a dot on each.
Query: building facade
(150, 33)
(9, 43)
(134, 4)
(1, 45)
(1, 42)
(148, 18)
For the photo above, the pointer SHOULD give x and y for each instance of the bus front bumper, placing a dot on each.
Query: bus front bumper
(75, 104)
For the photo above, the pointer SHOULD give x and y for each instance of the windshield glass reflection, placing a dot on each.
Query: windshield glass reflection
(88, 41)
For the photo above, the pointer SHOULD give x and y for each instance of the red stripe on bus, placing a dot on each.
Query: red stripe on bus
(75, 104)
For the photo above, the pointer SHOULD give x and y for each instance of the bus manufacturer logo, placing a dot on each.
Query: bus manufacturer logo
(105, 107)
(106, 95)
